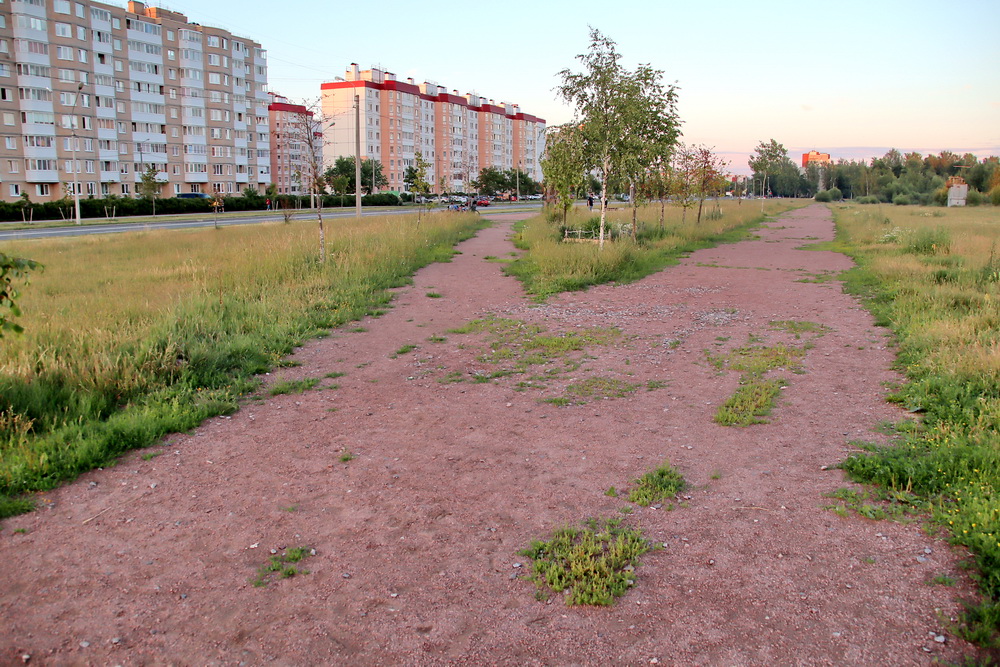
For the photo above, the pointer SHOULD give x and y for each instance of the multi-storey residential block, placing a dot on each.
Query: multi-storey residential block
(815, 157)
(296, 146)
(95, 94)
(457, 135)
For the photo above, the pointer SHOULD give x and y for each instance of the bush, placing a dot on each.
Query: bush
(823, 196)
(928, 241)
(902, 200)
(870, 199)
(380, 199)
(995, 196)
(940, 197)
(836, 194)
(975, 198)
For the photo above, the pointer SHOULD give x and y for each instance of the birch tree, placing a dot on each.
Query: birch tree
(303, 133)
(563, 164)
(619, 113)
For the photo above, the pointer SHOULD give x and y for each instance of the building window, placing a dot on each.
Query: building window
(15, 190)
(42, 189)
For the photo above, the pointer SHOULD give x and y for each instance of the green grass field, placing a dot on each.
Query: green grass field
(933, 276)
(130, 337)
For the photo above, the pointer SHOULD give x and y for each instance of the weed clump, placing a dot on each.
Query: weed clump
(593, 565)
(660, 484)
(282, 566)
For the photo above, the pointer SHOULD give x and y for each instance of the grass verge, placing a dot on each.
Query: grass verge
(550, 265)
(130, 337)
(933, 277)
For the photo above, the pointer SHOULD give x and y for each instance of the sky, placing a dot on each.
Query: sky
(852, 78)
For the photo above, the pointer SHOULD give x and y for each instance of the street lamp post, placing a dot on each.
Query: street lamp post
(76, 183)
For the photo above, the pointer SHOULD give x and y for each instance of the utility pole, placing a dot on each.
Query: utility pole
(357, 156)
(76, 166)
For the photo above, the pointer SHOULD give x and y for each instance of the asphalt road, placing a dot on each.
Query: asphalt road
(250, 218)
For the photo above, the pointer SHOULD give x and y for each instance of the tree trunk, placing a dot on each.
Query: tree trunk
(604, 199)
(322, 234)
(663, 206)
(635, 209)
(701, 204)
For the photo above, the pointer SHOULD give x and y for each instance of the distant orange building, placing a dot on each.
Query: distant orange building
(814, 156)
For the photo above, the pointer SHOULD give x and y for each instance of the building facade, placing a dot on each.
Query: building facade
(458, 135)
(815, 157)
(296, 146)
(92, 95)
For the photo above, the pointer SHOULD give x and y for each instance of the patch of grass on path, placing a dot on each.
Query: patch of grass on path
(660, 484)
(282, 566)
(515, 346)
(593, 565)
(756, 395)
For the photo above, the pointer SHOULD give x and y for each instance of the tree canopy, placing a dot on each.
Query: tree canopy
(344, 166)
(627, 119)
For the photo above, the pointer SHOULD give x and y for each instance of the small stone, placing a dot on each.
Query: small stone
(153, 485)
(86, 644)
(927, 550)
(517, 565)
(116, 640)
(25, 658)
(836, 634)
(921, 559)
(940, 639)
(346, 575)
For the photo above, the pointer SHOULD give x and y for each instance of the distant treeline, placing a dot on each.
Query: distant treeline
(899, 178)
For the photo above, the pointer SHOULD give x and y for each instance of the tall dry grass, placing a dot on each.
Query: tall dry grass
(553, 264)
(933, 275)
(128, 337)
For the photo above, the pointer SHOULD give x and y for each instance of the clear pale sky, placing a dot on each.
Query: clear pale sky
(852, 78)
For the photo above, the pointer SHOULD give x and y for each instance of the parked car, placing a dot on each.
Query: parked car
(482, 201)
(193, 195)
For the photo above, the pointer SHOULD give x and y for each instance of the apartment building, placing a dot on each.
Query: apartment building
(458, 135)
(92, 95)
(296, 146)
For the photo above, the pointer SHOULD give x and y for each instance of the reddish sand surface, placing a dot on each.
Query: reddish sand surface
(417, 538)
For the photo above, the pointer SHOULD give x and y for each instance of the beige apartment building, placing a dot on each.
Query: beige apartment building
(458, 135)
(134, 86)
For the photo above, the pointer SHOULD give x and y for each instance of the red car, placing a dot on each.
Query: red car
(482, 201)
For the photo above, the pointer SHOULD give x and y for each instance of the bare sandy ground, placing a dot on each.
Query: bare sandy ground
(417, 537)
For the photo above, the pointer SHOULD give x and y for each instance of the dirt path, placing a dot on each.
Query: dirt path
(417, 536)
